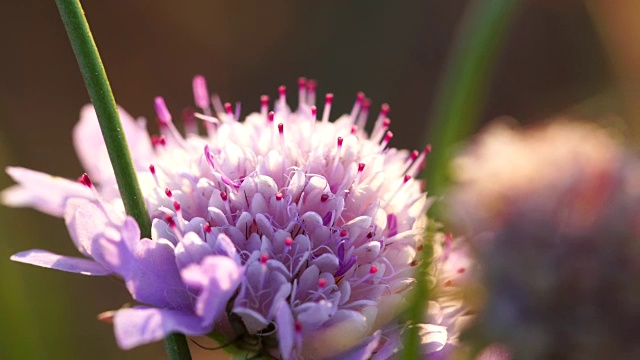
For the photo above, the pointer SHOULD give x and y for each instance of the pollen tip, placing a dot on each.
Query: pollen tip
(278, 196)
(207, 228)
(288, 241)
(264, 100)
(314, 111)
(388, 136)
(384, 109)
(264, 258)
(360, 167)
(152, 169)
(228, 108)
(85, 180)
(322, 283)
(176, 205)
(312, 84)
(271, 116)
(360, 97)
(281, 128)
(223, 196)
(324, 197)
(282, 90)
(340, 140)
(373, 269)
(406, 179)
(302, 82)
(366, 104)
(328, 98)
(354, 128)
(168, 192)
(344, 233)
(386, 123)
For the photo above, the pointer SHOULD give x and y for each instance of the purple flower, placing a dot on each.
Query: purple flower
(285, 235)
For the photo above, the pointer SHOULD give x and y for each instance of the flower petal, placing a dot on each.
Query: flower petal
(217, 279)
(286, 329)
(141, 325)
(92, 151)
(362, 351)
(50, 260)
(41, 191)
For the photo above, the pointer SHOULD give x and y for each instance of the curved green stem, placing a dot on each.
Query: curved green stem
(97, 84)
(455, 115)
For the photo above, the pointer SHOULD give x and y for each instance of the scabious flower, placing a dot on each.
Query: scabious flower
(552, 214)
(286, 235)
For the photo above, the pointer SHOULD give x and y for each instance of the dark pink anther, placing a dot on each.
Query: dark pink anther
(312, 84)
(360, 97)
(298, 326)
(388, 136)
(223, 196)
(278, 196)
(169, 220)
(282, 90)
(373, 269)
(154, 140)
(344, 233)
(406, 179)
(264, 258)
(302, 82)
(168, 192)
(314, 111)
(271, 116)
(384, 109)
(264, 100)
(207, 228)
(228, 108)
(414, 155)
(427, 148)
(84, 180)
(328, 99)
(176, 205)
(369, 235)
(281, 128)
(461, 270)
(324, 197)
(288, 241)
(360, 167)
(366, 104)
(386, 123)
(322, 283)
(152, 169)
(162, 141)
(354, 128)
(340, 142)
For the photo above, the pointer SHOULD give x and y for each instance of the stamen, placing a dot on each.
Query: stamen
(322, 283)
(344, 233)
(326, 112)
(314, 113)
(377, 135)
(152, 169)
(356, 106)
(168, 193)
(324, 197)
(201, 93)
(354, 128)
(207, 228)
(415, 168)
(282, 96)
(85, 180)
(278, 196)
(302, 92)
(264, 105)
(387, 137)
(384, 112)
(164, 116)
(336, 158)
(311, 91)
(356, 181)
(364, 113)
(264, 258)
(373, 269)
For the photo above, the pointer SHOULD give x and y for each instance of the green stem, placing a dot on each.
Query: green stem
(463, 88)
(455, 115)
(97, 84)
(177, 347)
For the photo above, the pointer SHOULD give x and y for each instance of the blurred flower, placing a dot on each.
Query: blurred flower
(286, 236)
(553, 216)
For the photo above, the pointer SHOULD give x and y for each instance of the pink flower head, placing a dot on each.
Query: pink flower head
(288, 235)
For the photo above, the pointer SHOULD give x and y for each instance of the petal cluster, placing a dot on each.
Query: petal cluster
(287, 234)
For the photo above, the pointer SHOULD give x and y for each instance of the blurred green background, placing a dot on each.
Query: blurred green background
(393, 51)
